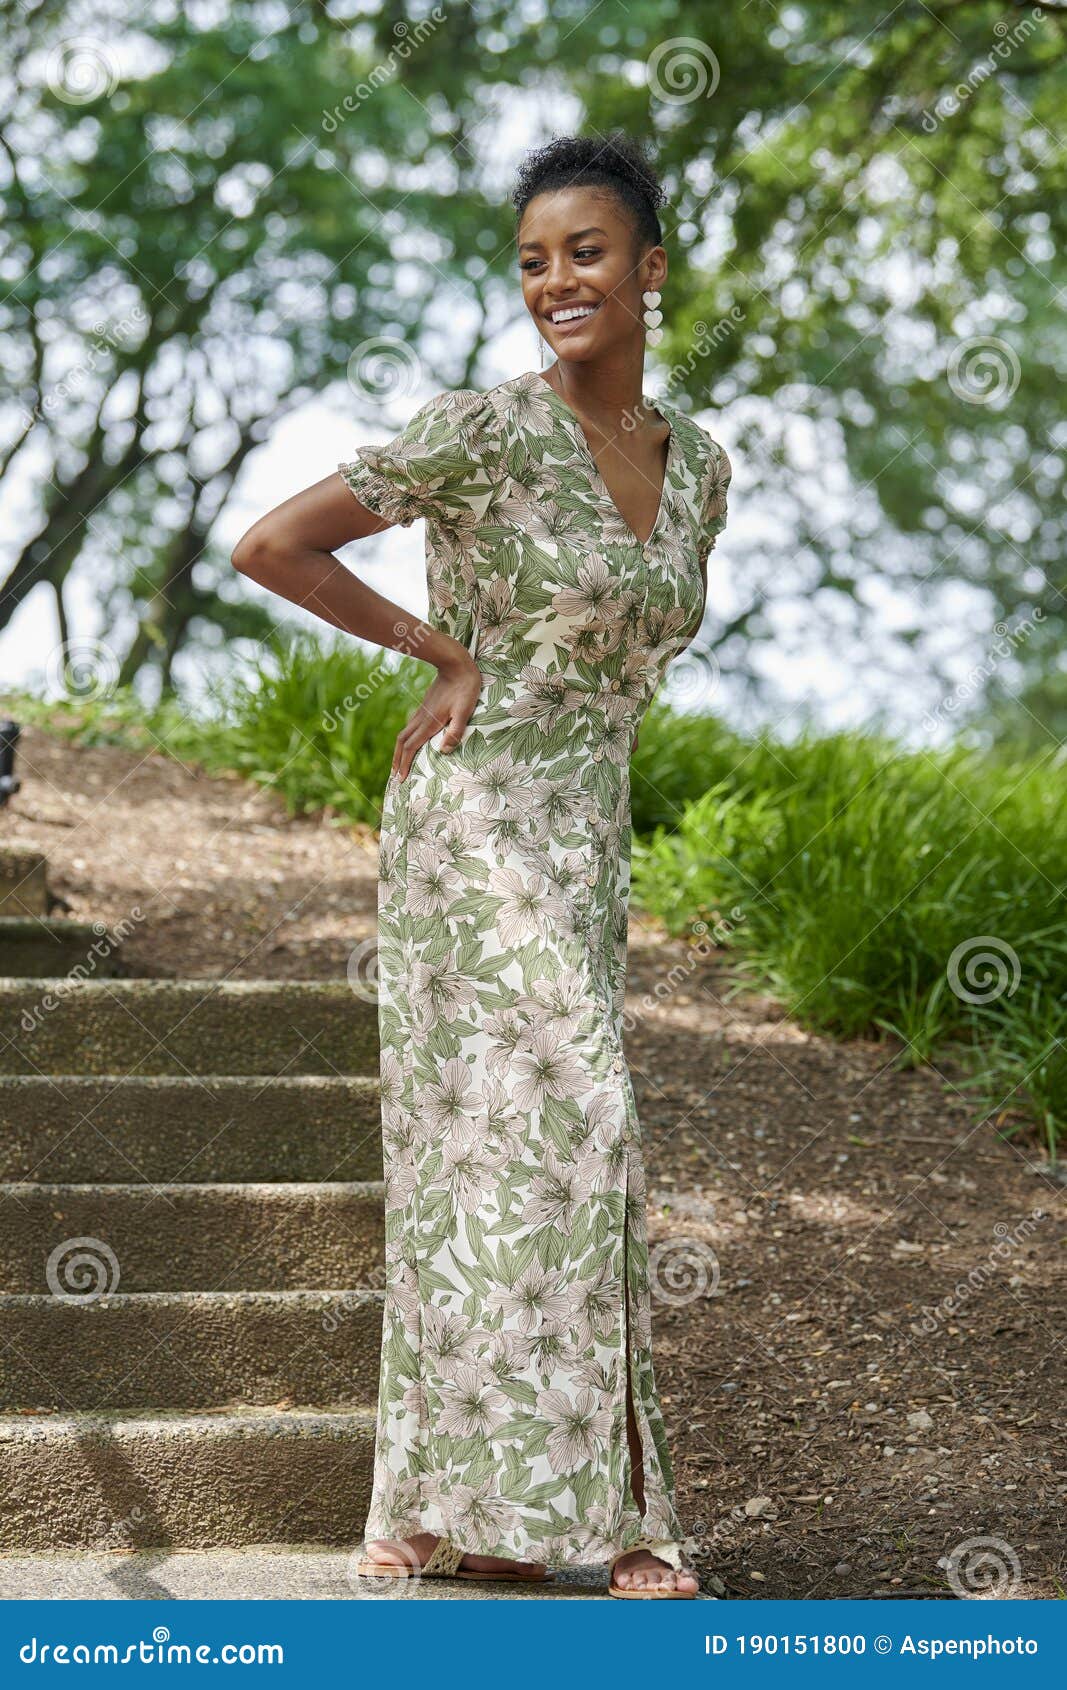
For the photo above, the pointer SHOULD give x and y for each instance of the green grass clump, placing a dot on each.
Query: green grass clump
(870, 887)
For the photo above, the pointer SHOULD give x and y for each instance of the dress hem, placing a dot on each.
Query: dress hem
(605, 1554)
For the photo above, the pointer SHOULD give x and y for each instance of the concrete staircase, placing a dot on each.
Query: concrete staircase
(37, 943)
(190, 1252)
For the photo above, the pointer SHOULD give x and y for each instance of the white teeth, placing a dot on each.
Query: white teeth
(569, 315)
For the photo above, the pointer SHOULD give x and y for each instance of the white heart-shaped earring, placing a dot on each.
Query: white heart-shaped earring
(651, 317)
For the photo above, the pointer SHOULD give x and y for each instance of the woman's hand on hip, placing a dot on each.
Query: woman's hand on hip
(448, 704)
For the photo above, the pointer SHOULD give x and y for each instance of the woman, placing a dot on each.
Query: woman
(568, 522)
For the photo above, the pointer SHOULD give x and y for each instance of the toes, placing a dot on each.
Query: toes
(390, 1552)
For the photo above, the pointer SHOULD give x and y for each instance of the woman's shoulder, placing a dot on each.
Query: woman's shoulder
(698, 440)
(469, 413)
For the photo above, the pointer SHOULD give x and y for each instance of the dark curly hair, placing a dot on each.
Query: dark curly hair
(615, 162)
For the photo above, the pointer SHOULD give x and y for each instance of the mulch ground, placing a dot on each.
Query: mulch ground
(858, 1316)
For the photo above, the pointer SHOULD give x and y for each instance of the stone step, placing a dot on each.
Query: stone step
(23, 883)
(109, 1238)
(263, 1573)
(186, 1027)
(164, 1129)
(191, 1350)
(112, 1481)
(46, 947)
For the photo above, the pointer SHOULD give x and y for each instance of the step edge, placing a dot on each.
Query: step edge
(125, 1423)
(190, 1082)
(121, 1300)
(20, 1190)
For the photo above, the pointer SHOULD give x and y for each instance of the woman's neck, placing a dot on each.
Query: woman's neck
(604, 392)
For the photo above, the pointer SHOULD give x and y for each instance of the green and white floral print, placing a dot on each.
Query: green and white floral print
(516, 1250)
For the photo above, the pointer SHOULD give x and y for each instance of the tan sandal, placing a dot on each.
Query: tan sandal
(666, 1551)
(444, 1562)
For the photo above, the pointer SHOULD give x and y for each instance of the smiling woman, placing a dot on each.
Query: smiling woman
(568, 520)
(584, 281)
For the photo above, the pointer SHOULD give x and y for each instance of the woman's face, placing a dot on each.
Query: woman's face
(576, 249)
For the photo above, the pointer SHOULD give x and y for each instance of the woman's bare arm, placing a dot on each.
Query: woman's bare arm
(290, 552)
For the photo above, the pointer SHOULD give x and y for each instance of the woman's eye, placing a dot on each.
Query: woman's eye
(581, 252)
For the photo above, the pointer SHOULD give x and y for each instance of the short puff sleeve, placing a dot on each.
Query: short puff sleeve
(714, 482)
(437, 466)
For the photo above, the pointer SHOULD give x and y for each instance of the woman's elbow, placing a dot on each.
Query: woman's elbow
(255, 551)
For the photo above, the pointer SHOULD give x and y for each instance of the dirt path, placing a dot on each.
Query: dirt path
(858, 1313)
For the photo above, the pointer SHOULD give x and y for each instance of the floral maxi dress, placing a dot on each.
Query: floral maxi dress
(517, 1265)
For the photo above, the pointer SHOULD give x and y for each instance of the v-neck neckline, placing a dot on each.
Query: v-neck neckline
(580, 436)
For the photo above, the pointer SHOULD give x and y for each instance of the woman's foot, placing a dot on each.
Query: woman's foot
(412, 1551)
(639, 1569)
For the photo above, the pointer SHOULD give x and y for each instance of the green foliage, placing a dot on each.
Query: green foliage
(870, 887)
(318, 724)
(866, 224)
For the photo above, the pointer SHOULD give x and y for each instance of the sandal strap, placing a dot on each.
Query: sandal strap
(663, 1547)
(445, 1557)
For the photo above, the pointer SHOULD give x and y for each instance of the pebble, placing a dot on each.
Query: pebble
(760, 1508)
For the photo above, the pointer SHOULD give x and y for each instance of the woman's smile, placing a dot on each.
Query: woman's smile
(565, 319)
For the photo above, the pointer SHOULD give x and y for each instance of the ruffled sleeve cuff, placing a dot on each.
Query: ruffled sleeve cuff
(375, 490)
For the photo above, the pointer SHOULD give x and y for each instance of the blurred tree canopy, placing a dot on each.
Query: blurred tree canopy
(212, 214)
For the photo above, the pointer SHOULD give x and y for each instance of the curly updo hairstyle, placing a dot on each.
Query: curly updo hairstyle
(616, 163)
